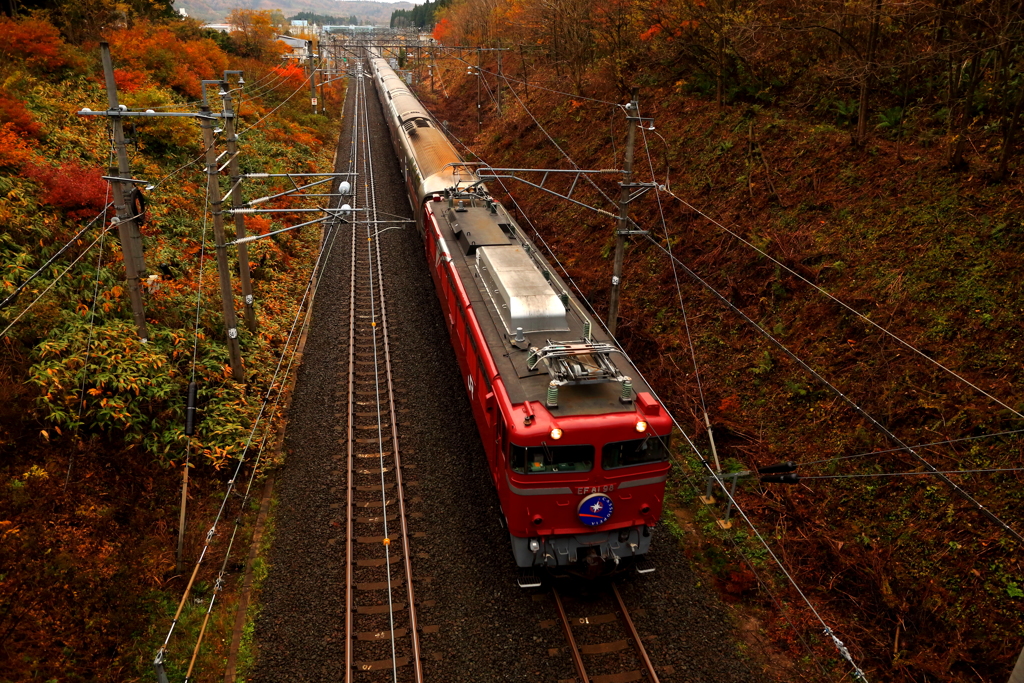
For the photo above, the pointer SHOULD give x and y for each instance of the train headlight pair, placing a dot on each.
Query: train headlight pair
(641, 426)
(556, 433)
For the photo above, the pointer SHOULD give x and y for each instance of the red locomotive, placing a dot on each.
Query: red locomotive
(577, 445)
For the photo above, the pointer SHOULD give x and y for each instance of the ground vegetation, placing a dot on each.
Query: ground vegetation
(92, 443)
(830, 172)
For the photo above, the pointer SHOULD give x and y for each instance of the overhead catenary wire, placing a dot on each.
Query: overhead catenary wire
(541, 87)
(679, 295)
(844, 305)
(988, 514)
(322, 258)
(565, 154)
(55, 281)
(88, 344)
(857, 672)
(317, 266)
(915, 446)
(73, 240)
(908, 474)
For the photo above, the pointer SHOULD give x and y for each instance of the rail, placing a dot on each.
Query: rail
(381, 628)
(577, 651)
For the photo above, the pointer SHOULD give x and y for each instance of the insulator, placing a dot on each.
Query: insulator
(552, 395)
(532, 358)
(254, 202)
(547, 275)
(345, 187)
(190, 410)
(564, 296)
(788, 466)
(586, 329)
(627, 391)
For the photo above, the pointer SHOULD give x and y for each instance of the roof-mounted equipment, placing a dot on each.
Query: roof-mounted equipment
(578, 362)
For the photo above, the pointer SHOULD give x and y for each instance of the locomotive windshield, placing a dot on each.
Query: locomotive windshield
(546, 459)
(636, 452)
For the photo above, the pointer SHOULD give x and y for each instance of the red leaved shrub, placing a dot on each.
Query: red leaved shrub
(37, 42)
(78, 190)
(14, 151)
(168, 59)
(128, 80)
(291, 75)
(12, 111)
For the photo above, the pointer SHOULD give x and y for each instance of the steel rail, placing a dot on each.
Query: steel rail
(369, 297)
(350, 463)
(393, 412)
(634, 635)
(577, 658)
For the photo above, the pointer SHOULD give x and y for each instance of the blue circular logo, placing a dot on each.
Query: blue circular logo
(595, 509)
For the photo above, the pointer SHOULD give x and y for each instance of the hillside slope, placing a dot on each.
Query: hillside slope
(368, 12)
(775, 207)
(92, 442)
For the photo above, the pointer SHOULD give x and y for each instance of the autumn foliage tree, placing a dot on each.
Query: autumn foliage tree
(253, 32)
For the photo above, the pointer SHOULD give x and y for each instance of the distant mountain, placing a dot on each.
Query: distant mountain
(377, 13)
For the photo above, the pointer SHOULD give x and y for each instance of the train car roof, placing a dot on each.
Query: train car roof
(520, 382)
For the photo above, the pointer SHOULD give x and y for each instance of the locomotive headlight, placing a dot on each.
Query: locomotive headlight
(641, 426)
(556, 433)
(534, 545)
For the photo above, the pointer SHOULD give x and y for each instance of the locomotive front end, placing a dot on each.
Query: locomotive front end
(586, 502)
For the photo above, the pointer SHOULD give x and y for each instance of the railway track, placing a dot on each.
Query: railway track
(381, 626)
(603, 642)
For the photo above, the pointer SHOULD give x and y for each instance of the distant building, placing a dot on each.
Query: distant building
(298, 47)
(300, 22)
(223, 28)
(182, 12)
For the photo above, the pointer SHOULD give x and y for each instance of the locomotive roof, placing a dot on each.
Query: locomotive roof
(522, 383)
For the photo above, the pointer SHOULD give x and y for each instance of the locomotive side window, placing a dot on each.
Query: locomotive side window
(546, 459)
(636, 452)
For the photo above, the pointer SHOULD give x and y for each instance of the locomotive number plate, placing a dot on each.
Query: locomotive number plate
(604, 488)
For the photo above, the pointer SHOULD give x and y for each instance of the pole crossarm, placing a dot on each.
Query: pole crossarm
(118, 112)
(489, 172)
(260, 200)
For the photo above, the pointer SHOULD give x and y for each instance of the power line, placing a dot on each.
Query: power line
(846, 399)
(923, 445)
(846, 306)
(92, 327)
(272, 111)
(43, 267)
(858, 674)
(679, 295)
(321, 259)
(55, 281)
(905, 474)
(541, 87)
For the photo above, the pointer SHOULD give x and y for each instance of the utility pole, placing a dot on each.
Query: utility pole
(226, 295)
(127, 225)
(632, 121)
(479, 75)
(312, 76)
(499, 83)
(231, 137)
